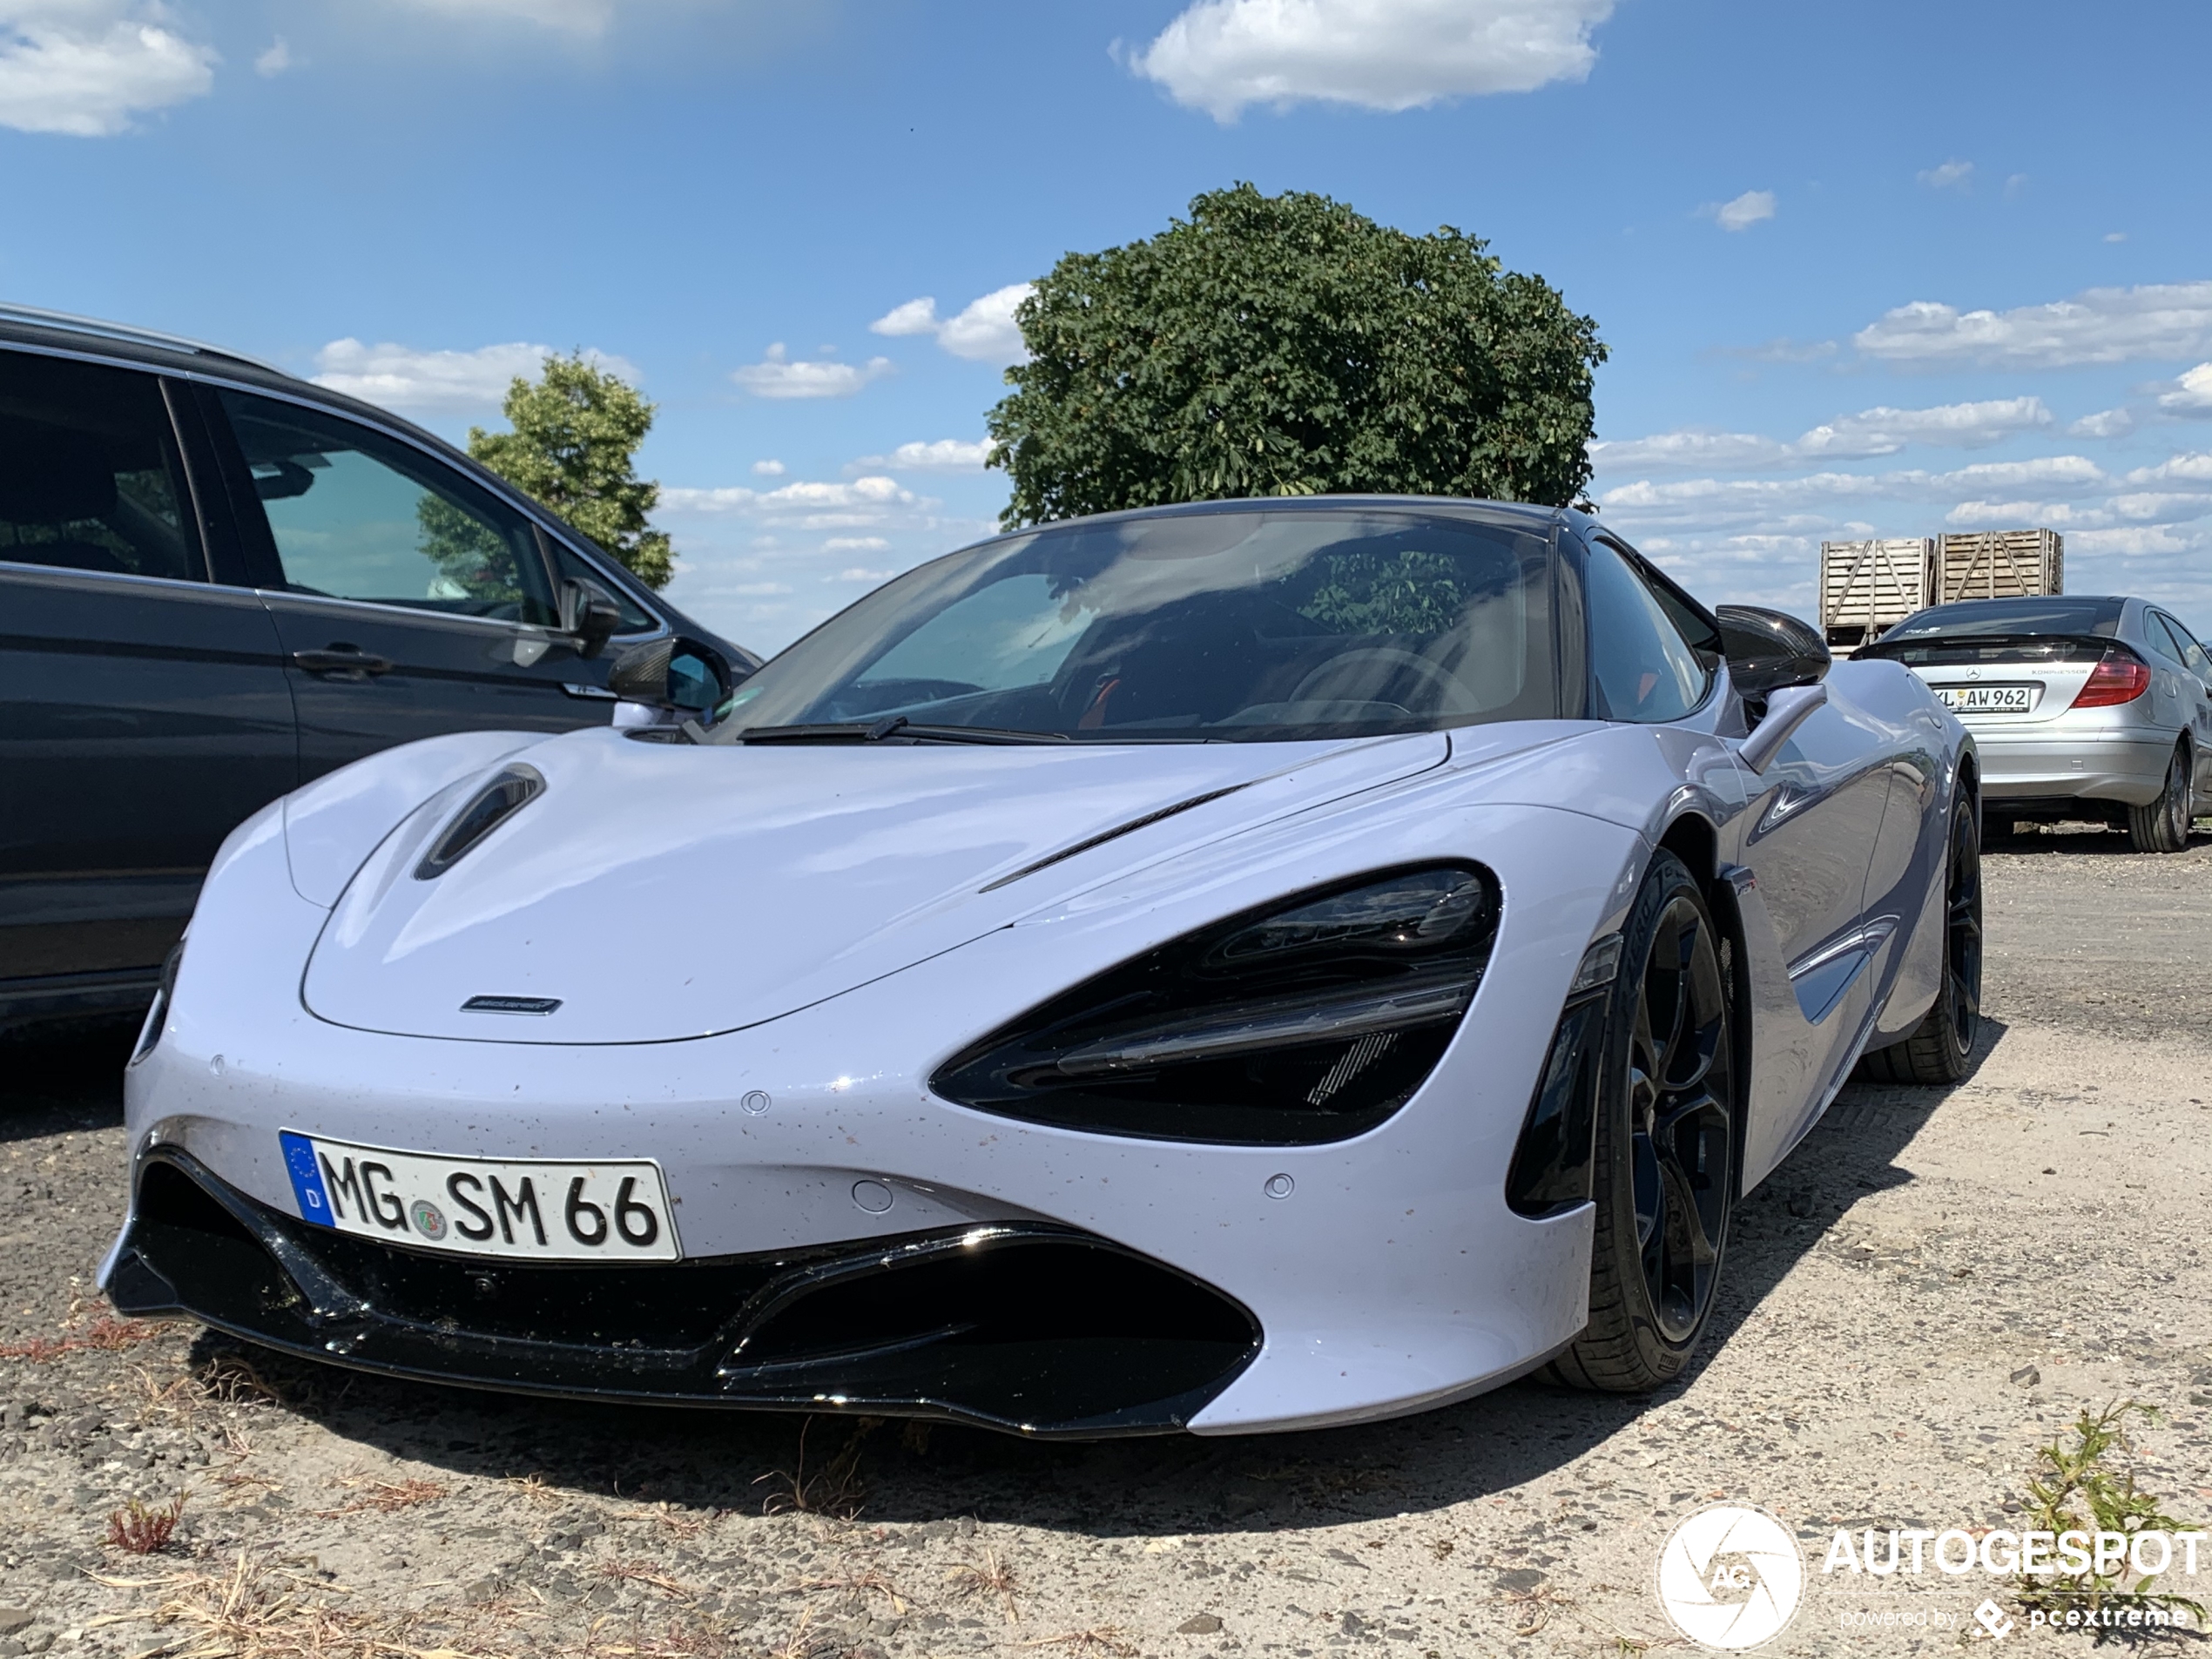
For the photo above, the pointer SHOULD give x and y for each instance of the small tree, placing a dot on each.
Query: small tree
(574, 446)
(1287, 346)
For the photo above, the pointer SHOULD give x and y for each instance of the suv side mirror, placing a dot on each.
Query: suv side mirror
(676, 675)
(590, 615)
(1768, 650)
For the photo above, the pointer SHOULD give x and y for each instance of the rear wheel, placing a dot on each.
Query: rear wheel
(2163, 826)
(1938, 1049)
(1666, 1144)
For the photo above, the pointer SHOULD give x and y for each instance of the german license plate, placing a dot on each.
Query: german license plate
(535, 1209)
(1987, 699)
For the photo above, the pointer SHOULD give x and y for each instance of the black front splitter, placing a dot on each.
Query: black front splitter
(1036, 1329)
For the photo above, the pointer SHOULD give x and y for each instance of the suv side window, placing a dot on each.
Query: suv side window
(1641, 668)
(89, 472)
(353, 515)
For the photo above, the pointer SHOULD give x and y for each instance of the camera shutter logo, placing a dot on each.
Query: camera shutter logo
(1730, 1577)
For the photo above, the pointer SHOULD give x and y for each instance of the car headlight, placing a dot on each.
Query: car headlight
(1309, 1021)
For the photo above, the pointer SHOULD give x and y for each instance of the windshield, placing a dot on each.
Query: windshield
(1204, 625)
(2051, 615)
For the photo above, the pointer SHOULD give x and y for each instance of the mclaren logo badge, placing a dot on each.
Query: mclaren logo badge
(510, 1005)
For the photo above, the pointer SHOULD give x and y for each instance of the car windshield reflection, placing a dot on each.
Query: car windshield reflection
(1199, 625)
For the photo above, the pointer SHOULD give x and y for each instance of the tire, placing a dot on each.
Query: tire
(1665, 1165)
(2163, 826)
(1942, 1043)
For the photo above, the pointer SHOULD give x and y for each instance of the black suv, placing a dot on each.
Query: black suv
(218, 582)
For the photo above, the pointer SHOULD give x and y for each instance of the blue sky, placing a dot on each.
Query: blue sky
(1885, 268)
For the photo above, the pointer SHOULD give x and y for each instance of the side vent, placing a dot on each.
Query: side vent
(513, 788)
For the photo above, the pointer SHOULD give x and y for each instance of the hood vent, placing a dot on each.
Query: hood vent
(511, 790)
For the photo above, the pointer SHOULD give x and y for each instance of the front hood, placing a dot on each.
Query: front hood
(661, 892)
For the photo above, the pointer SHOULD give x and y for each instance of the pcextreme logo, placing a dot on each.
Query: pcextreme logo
(1730, 1577)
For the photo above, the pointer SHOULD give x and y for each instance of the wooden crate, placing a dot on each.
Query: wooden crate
(2000, 564)
(1868, 586)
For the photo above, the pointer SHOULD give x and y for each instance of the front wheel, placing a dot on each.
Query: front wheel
(1938, 1050)
(1666, 1144)
(2163, 826)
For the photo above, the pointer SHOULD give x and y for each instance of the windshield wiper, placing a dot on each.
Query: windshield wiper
(897, 727)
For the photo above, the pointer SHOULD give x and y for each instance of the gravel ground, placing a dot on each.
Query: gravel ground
(1931, 1288)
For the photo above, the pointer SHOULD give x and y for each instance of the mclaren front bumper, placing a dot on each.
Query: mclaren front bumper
(1035, 1328)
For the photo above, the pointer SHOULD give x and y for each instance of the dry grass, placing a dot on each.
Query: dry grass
(836, 1490)
(259, 1609)
(104, 1335)
(645, 1572)
(385, 1497)
(1105, 1638)
(141, 1529)
(535, 1488)
(991, 1577)
(681, 1523)
(858, 1585)
(233, 1378)
(799, 1644)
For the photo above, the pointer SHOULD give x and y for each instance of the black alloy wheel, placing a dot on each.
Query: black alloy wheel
(1940, 1046)
(1666, 1143)
(2163, 826)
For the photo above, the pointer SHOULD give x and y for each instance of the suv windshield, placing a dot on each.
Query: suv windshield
(1202, 624)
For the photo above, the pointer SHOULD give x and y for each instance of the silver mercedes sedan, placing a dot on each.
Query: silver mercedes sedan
(2083, 707)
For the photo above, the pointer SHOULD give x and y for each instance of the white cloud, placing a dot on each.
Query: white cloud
(861, 492)
(1743, 211)
(768, 469)
(1686, 450)
(2105, 423)
(275, 60)
(1223, 55)
(858, 573)
(1952, 175)
(2192, 394)
(85, 67)
(401, 377)
(855, 544)
(984, 332)
(777, 376)
(1848, 438)
(1884, 431)
(585, 17)
(2115, 236)
(874, 494)
(915, 317)
(2099, 326)
(733, 498)
(940, 455)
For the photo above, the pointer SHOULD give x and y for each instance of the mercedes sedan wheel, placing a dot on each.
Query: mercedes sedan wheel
(2163, 826)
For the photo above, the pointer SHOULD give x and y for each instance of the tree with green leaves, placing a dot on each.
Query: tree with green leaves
(1288, 346)
(574, 446)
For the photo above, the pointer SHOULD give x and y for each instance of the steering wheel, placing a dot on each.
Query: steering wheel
(1452, 696)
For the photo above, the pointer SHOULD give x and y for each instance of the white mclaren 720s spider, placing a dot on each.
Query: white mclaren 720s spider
(1227, 968)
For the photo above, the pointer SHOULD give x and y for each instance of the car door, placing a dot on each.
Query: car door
(410, 600)
(144, 710)
(2194, 689)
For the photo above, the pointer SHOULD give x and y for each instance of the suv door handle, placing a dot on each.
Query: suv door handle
(342, 662)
